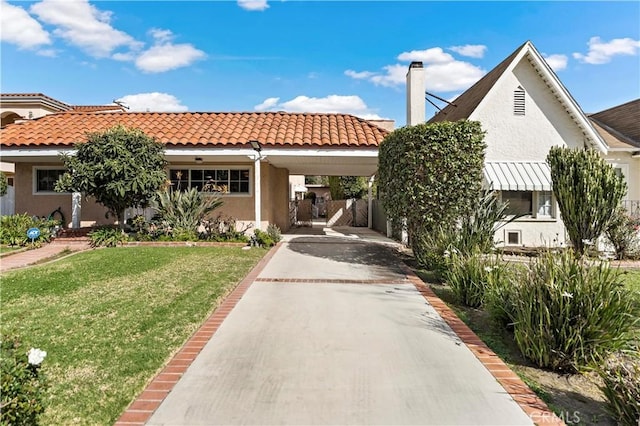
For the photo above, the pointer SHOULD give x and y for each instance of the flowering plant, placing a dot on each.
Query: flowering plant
(36, 356)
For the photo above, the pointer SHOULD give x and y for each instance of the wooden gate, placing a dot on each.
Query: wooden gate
(300, 213)
(347, 213)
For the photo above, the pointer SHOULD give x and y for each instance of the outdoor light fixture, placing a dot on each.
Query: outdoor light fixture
(256, 145)
(198, 160)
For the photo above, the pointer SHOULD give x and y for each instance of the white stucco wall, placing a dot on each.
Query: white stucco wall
(631, 169)
(529, 137)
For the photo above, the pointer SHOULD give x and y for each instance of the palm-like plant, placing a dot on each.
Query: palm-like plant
(184, 211)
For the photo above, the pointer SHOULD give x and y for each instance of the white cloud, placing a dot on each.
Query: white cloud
(336, 104)
(85, 26)
(155, 102)
(267, 104)
(443, 72)
(470, 50)
(165, 56)
(556, 62)
(19, 28)
(434, 55)
(363, 75)
(602, 52)
(253, 5)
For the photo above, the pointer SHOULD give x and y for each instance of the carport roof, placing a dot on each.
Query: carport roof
(202, 130)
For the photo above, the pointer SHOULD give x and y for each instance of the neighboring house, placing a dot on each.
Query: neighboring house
(525, 110)
(199, 147)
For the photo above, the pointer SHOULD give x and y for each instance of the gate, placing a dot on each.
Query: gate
(300, 213)
(347, 213)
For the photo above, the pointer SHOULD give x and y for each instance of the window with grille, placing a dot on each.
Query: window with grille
(226, 181)
(518, 101)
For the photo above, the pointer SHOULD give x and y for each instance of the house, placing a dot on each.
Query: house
(251, 153)
(525, 110)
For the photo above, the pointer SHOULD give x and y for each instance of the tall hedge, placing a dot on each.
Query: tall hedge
(429, 173)
(588, 192)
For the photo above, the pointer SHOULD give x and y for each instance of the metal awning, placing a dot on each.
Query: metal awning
(518, 176)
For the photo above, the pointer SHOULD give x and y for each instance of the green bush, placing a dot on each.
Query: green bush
(430, 174)
(432, 249)
(622, 234)
(568, 314)
(185, 211)
(263, 239)
(23, 384)
(274, 233)
(4, 184)
(107, 236)
(13, 229)
(470, 276)
(621, 377)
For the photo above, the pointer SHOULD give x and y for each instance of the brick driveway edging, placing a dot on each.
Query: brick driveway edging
(147, 402)
(530, 403)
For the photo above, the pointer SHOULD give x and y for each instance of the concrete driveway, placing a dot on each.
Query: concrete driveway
(332, 333)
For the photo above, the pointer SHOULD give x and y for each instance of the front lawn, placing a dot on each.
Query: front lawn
(109, 319)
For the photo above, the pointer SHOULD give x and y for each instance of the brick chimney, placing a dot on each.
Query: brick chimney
(416, 112)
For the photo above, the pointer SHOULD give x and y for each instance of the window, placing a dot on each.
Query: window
(513, 238)
(45, 179)
(520, 202)
(545, 204)
(518, 101)
(228, 181)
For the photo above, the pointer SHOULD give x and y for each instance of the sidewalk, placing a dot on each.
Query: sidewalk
(334, 329)
(29, 257)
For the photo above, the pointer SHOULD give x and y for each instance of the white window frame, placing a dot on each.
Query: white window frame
(215, 167)
(34, 176)
(624, 169)
(535, 199)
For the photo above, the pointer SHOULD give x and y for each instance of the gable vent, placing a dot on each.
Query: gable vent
(518, 101)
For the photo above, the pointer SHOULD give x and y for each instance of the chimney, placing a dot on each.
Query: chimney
(416, 112)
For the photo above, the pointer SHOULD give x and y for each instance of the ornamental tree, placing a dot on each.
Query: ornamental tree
(588, 191)
(120, 168)
(430, 173)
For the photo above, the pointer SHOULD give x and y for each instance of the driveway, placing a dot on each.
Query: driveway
(332, 333)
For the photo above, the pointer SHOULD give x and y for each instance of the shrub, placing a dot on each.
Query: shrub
(470, 276)
(185, 211)
(13, 229)
(23, 384)
(274, 233)
(4, 184)
(588, 192)
(107, 236)
(622, 233)
(621, 377)
(430, 174)
(567, 314)
(263, 239)
(432, 248)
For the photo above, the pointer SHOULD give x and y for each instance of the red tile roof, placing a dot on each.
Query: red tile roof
(199, 129)
(98, 108)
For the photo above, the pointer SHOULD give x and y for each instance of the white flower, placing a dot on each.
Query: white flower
(36, 356)
(587, 242)
(453, 250)
(447, 253)
(567, 294)
(488, 268)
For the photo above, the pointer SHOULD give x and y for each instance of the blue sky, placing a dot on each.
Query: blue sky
(256, 55)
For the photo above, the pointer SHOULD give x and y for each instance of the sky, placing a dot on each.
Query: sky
(301, 56)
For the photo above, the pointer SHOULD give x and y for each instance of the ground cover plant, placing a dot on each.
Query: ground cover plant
(109, 319)
(13, 229)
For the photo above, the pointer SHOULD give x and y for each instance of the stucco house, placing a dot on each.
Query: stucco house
(525, 110)
(253, 154)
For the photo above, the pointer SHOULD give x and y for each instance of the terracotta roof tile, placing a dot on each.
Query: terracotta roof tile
(197, 129)
(98, 108)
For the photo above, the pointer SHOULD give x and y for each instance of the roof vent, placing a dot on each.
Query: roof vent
(518, 101)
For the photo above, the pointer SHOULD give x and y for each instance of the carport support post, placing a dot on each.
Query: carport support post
(256, 191)
(370, 210)
(76, 209)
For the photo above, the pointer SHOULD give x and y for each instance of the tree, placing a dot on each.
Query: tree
(4, 184)
(120, 167)
(344, 187)
(588, 192)
(430, 174)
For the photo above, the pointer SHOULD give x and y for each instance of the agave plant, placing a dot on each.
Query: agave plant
(184, 211)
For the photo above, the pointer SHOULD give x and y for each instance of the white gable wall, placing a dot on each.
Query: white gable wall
(527, 137)
(524, 138)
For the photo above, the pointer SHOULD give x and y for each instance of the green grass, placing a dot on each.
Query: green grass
(109, 319)
(632, 280)
(8, 249)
